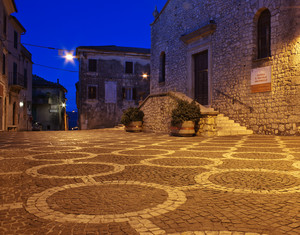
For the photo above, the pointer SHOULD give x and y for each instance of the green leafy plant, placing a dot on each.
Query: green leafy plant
(131, 115)
(185, 111)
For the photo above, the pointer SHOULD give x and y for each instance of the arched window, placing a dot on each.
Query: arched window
(264, 34)
(162, 67)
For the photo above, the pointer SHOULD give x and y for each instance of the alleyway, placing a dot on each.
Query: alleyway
(112, 182)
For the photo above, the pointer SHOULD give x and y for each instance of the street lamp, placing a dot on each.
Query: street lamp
(145, 75)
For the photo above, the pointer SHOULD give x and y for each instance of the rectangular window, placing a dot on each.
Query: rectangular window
(15, 40)
(25, 78)
(3, 64)
(92, 65)
(4, 23)
(162, 68)
(92, 92)
(129, 93)
(129, 67)
(15, 70)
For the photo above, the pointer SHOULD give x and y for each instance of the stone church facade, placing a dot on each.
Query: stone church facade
(111, 79)
(241, 58)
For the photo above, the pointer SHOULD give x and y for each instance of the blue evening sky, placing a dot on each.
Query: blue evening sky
(67, 24)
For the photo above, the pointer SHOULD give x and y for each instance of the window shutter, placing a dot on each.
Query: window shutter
(123, 93)
(134, 93)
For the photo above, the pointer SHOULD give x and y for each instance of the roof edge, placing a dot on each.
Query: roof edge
(162, 10)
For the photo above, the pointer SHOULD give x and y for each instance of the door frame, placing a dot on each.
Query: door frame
(193, 49)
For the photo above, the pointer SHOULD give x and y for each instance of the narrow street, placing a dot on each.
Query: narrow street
(113, 182)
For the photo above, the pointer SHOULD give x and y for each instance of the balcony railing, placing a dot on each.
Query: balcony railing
(16, 79)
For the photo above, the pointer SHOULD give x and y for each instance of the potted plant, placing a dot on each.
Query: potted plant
(184, 118)
(132, 118)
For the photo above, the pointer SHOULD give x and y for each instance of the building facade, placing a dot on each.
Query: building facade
(16, 72)
(49, 104)
(111, 79)
(241, 58)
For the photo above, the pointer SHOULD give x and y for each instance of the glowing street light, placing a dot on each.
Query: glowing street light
(145, 76)
(69, 57)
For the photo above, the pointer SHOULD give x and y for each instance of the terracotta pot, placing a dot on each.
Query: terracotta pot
(135, 126)
(185, 129)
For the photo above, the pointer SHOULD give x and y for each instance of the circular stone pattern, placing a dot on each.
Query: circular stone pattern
(54, 148)
(106, 199)
(181, 162)
(59, 156)
(260, 181)
(75, 169)
(144, 152)
(259, 155)
(254, 180)
(134, 203)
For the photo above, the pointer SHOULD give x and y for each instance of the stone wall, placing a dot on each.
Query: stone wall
(232, 56)
(158, 110)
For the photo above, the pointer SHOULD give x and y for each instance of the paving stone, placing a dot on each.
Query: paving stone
(109, 182)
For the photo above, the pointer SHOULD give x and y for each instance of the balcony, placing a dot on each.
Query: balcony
(16, 81)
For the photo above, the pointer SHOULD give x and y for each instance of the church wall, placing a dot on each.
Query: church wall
(232, 56)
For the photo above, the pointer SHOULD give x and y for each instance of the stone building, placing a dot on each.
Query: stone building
(111, 79)
(49, 104)
(16, 72)
(241, 58)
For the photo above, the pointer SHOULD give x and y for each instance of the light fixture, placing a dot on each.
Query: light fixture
(69, 56)
(63, 105)
(21, 104)
(145, 76)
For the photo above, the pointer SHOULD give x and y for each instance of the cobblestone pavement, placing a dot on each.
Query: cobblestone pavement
(112, 182)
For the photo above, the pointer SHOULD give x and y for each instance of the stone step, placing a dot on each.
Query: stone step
(227, 127)
(234, 132)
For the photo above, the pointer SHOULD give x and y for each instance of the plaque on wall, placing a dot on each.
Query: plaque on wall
(261, 79)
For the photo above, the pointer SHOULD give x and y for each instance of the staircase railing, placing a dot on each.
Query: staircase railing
(235, 100)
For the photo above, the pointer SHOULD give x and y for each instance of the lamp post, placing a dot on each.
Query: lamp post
(65, 116)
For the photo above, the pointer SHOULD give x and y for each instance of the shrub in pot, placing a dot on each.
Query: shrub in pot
(132, 118)
(184, 118)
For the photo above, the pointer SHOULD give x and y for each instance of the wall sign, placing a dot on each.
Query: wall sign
(261, 79)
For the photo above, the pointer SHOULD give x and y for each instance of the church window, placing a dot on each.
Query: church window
(264, 34)
(162, 67)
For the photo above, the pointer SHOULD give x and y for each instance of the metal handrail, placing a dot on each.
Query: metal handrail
(234, 100)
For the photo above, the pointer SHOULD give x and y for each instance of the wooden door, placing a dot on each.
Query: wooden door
(201, 77)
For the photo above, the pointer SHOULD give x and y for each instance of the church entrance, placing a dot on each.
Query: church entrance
(201, 77)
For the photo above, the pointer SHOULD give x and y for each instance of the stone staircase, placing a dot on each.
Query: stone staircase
(227, 127)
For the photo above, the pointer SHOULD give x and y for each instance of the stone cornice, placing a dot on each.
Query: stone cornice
(199, 33)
